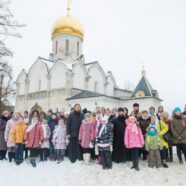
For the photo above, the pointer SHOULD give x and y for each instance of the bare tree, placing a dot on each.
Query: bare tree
(8, 28)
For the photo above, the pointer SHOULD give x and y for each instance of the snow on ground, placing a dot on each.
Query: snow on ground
(78, 174)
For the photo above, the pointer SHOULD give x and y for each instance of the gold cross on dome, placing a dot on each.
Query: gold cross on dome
(68, 7)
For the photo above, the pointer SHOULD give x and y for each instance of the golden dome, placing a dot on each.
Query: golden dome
(68, 25)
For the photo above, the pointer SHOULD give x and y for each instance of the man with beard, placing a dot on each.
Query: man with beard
(3, 146)
(120, 153)
(73, 125)
(136, 109)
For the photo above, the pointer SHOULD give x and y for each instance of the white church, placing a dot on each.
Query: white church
(66, 78)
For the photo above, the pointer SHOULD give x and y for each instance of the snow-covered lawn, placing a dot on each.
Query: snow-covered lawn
(67, 174)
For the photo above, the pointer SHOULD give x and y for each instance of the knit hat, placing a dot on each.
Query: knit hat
(177, 109)
(120, 109)
(87, 115)
(153, 126)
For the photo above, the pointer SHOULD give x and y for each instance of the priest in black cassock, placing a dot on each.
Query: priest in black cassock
(120, 152)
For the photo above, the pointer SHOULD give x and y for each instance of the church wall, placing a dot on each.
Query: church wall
(78, 77)
(96, 78)
(110, 87)
(145, 104)
(20, 104)
(58, 76)
(121, 93)
(38, 77)
(21, 82)
(92, 103)
(57, 100)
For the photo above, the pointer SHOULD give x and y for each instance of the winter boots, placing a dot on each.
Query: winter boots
(135, 165)
(33, 162)
(86, 158)
(11, 156)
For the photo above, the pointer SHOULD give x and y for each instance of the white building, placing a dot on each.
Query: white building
(66, 78)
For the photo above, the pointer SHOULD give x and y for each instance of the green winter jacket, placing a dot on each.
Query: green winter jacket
(153, 143)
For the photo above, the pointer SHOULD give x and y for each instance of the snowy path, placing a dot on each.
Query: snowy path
(67, 174)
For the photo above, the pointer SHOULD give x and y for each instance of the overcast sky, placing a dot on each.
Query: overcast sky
(120, 34)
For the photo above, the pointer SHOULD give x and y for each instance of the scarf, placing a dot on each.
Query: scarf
(103, 127)
(31, 126)
(44, 131)
(134, 128)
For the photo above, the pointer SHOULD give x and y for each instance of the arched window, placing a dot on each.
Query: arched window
(67, 47)
(78, 48)
(95, 86)
(56, 47)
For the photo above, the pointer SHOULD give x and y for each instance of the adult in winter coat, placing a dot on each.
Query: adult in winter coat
(53, 122)
(144, 122)
(8, 134)
(73, 125)
(86, 137)
(3, 145)
(163, 128)
(178, 129)
(33, 139)
(120, 153)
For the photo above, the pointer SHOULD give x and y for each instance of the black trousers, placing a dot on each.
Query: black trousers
(60, 153)
(144, 153)
(163, 154)
(181, 148)
(86, 150)
(3, 154)
(75, 151)
(34, 152)
(19, 152)
(43, 154)
(135, 154)
(107, 159)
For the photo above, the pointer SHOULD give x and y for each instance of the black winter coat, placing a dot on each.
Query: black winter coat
(144, 124)
(106, 137)
(73, 124)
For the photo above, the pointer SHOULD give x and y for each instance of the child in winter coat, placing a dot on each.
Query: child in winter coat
(18, 138)
(8, 135)
(86, 137)
(33, 139)
(153, 145)
(60, 139)
(45, 145)
(134, 140)
(104, 142)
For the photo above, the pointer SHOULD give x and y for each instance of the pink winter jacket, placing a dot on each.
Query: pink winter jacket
(34, 137)
(133, 140)
(86, 134)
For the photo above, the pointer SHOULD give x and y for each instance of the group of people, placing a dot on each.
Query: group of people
(104, 135)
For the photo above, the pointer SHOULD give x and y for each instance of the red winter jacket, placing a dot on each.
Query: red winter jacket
(35, 137)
